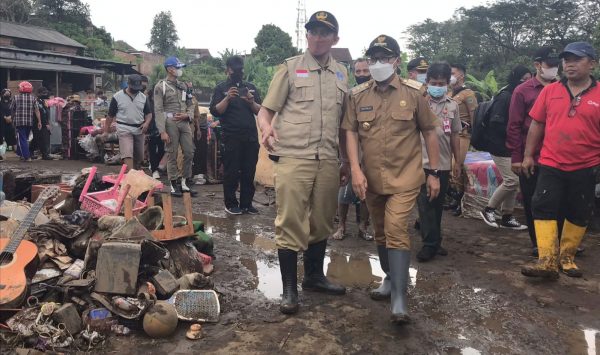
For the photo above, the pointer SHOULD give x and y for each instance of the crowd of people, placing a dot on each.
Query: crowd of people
(386, 145)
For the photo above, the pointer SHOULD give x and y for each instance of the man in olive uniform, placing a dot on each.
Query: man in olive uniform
(386, 116)
(307, 93)
(467, 104)
(174, 112)
(417, 69)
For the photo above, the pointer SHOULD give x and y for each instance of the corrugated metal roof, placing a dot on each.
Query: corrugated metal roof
(63, 68)
(35, 33)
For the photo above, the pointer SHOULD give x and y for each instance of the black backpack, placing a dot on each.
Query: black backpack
(479, 133)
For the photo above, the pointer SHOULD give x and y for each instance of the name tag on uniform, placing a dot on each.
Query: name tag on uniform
(183, 95)
(340, 75)
(301, 73)
(366, 108)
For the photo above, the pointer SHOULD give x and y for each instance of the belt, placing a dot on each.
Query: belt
(130, 124)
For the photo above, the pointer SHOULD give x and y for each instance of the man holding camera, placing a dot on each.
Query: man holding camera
(236, 102)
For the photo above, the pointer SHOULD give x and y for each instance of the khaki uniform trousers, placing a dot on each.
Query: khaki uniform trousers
(389, 216)
(180, 133)
(306, 197)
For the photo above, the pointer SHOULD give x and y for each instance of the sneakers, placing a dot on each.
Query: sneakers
(489, 217)
(176, 188)
(199, 179)
(509, 221)
(250, 210)
(233, 210)
(156, 175)
(185, 188)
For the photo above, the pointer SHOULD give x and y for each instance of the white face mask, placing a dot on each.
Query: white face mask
(453, 80)
(549, 73)
(179, 72)
(422, 78)
(381, 71)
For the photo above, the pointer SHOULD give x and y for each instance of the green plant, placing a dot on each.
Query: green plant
(487, 87)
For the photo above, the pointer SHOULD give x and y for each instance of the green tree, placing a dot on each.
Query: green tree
(15, 10)
(163, 36)
(273, 45)
(487, 87)
(123, 46)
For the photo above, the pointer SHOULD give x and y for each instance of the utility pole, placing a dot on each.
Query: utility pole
(300, 22)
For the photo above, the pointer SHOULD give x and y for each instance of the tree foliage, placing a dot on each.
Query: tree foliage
(163, 36)
(504, 33)
(123, 46)
(273, 45)
(15, 10)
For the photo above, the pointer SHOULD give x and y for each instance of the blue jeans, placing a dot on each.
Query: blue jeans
(23, 141)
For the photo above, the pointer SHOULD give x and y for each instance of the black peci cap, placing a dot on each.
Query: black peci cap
(323, 18)
(548, 55)
(419, 63)
(384, 43)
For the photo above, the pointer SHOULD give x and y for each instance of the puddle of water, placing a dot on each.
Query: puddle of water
(476, 290)
(267, 277)
(590, 339)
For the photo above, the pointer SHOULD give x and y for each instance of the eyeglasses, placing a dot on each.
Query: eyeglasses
(382, 60)
(320, 32)
(574, 103)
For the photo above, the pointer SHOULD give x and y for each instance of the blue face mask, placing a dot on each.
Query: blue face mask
(437, 91)
(422, 78)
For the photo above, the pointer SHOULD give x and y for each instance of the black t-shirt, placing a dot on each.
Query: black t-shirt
(238, 118)
(41, 104)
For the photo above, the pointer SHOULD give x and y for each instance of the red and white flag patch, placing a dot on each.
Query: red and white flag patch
(301, 73)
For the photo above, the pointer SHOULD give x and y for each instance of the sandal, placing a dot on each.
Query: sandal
(365, 235)
(340, 234)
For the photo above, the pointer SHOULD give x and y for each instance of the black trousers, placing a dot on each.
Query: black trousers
(574, 190)
(156, 150)
(200, 154)
(240, 155)
(40, 141)
(430, 213)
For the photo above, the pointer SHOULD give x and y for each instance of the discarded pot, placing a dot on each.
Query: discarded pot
(161, 320)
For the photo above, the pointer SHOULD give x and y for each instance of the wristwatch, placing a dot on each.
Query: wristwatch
(434, 173)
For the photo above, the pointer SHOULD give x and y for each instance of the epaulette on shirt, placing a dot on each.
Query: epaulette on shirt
(412, 83)
(360, 88)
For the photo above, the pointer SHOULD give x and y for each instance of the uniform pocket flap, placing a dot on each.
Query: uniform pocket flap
(298, 119)
(403, 115)
(366, 116)
(303, 82)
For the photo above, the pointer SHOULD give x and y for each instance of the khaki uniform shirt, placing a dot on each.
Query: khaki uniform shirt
(309, 100)
(389, 125)
(170, 98)
(448, 116)
(467, 104)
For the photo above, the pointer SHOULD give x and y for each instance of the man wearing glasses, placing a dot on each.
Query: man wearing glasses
(386, 117)
(307, 93)
(566, 116)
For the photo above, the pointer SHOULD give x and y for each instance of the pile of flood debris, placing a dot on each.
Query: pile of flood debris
(100, 256)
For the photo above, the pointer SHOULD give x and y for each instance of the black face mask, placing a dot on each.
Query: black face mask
(133, 91)
(362, 79)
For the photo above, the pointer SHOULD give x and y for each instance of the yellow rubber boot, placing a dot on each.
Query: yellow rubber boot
(546, 232)
(569, 242)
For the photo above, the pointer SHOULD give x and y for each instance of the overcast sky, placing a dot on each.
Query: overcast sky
(221, 24)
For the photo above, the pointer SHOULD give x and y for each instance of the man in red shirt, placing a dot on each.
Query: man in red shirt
(546, 64)
(566, 116)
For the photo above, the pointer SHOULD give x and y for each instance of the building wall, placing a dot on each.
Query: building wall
(38, 46)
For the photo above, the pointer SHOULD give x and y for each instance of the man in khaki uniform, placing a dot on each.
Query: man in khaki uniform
(467, 104)
(308, 93)
(174, 111)
(386, 116)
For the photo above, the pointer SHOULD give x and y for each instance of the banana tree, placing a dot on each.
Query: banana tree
(487, 87)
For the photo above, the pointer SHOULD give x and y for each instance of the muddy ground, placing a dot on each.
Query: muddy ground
(473, 301)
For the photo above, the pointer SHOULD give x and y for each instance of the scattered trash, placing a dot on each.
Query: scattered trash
(195, 332)
(160, 321)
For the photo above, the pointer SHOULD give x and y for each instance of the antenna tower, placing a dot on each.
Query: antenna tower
(300, 22)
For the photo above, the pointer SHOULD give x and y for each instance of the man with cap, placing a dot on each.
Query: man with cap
(467, 104)
(174, 111)
(545, 61)
(387, 116)
(307, 93)
(566, 117)
(235, 102)
(130, 108)
(41, 136)
(417, 69)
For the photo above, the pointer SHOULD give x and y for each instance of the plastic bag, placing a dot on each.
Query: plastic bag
(3, 148)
